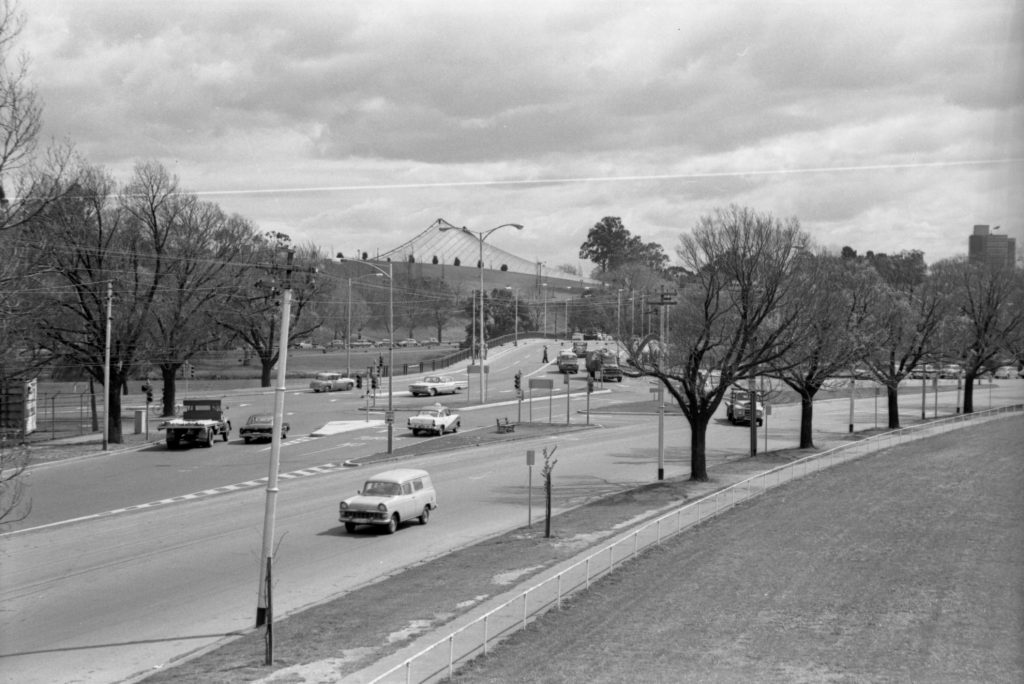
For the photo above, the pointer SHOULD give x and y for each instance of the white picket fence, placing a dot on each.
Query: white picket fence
(439, 660)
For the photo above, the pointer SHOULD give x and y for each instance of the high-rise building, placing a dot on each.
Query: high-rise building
(994, 251)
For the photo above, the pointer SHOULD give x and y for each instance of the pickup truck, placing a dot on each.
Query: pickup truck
(737, 407)
(200, 423)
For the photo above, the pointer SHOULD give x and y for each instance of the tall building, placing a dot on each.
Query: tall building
(995, 251)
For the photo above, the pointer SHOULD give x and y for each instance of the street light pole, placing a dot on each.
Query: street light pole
(480, 236)
(390, 416)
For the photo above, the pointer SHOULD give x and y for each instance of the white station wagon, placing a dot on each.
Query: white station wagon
(390, 498)
(329, 382)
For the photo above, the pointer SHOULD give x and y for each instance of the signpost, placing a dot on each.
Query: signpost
(542, 383)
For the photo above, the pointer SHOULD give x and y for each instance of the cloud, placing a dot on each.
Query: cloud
(396, 112)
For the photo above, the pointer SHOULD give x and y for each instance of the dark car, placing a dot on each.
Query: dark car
(260, 426)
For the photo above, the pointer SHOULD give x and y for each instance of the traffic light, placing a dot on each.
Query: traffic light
(519, 380)
(373, 381)
(148, 389)
(359, 381)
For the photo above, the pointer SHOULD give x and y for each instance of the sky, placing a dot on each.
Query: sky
(879, 125)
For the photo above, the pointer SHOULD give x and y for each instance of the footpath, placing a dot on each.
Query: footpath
(364, 633)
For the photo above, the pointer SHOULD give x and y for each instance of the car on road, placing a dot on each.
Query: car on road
(436, 419)
(408, 342)
(331, 381)
(737, 407)
(260, 426)
(432, 385)
(390, 498)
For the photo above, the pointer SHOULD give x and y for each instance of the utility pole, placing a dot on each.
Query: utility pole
(270, 512)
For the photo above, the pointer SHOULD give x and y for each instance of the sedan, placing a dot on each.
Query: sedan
(329, 382)
(1005, 372)
(260, 426)
(432, 385)
(437, 419)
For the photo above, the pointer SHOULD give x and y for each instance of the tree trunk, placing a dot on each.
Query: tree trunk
(169, 374)
(806, 420)
(698, 449)
(114, 432)
(266, 366)
(968, 393)
(893, 395)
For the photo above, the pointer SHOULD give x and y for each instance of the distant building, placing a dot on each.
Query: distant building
(994, 251)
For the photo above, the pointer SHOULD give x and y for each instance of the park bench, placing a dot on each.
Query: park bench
(504, 425)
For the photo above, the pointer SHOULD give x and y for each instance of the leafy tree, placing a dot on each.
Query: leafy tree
(610, 245)
(728, 320)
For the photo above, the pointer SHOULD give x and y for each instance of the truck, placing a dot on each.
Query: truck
(568, 362)
(737, 407)
(200, 422)
(604, 364)
(579, 348)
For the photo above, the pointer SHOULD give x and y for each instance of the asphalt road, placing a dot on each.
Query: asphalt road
(115, 594)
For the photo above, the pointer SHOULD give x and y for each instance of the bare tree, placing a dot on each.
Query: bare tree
(728, 320)
(831, 301)
(987, 310)
(253, 311)
(207, 245)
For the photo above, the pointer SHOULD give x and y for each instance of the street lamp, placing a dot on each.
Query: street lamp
(480, 236)
(390, 416)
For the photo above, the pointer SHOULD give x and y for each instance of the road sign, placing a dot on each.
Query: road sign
(389, 416)
(542, 383)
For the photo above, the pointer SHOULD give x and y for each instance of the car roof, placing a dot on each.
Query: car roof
(399, 475)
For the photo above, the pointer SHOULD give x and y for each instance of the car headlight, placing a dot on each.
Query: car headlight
(383, 508)
(342, 505)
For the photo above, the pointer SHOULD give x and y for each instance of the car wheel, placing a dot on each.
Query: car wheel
(415, 433)
(425, 516)
(246, 440)
(209, 439)
(433, 391)
(393, 523)
(350, 527)
(455, 428)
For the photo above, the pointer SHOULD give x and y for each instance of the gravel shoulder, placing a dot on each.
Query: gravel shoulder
(904, 566)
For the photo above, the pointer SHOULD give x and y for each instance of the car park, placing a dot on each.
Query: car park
(432, 385)
(436, 419)
(331, 381)
(390, 498)
(260, 426)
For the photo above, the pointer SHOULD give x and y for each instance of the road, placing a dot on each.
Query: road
(117, 594)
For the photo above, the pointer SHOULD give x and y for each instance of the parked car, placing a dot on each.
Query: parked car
(435, 419)
(329, 382)
(1005, 372)
(429, 341)
(361, 343)
(432, 385)
(383, 343)
(390, 498)
(260, 426)
(408, 342)
(950, 371)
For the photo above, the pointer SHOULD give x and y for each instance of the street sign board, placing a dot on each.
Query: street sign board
(542, 383)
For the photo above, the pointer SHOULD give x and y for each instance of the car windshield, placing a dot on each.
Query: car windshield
(261, 419)
(429, 412)
(374, 488)
(432, 378)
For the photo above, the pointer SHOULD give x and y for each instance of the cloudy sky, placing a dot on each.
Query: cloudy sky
(880, 125)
